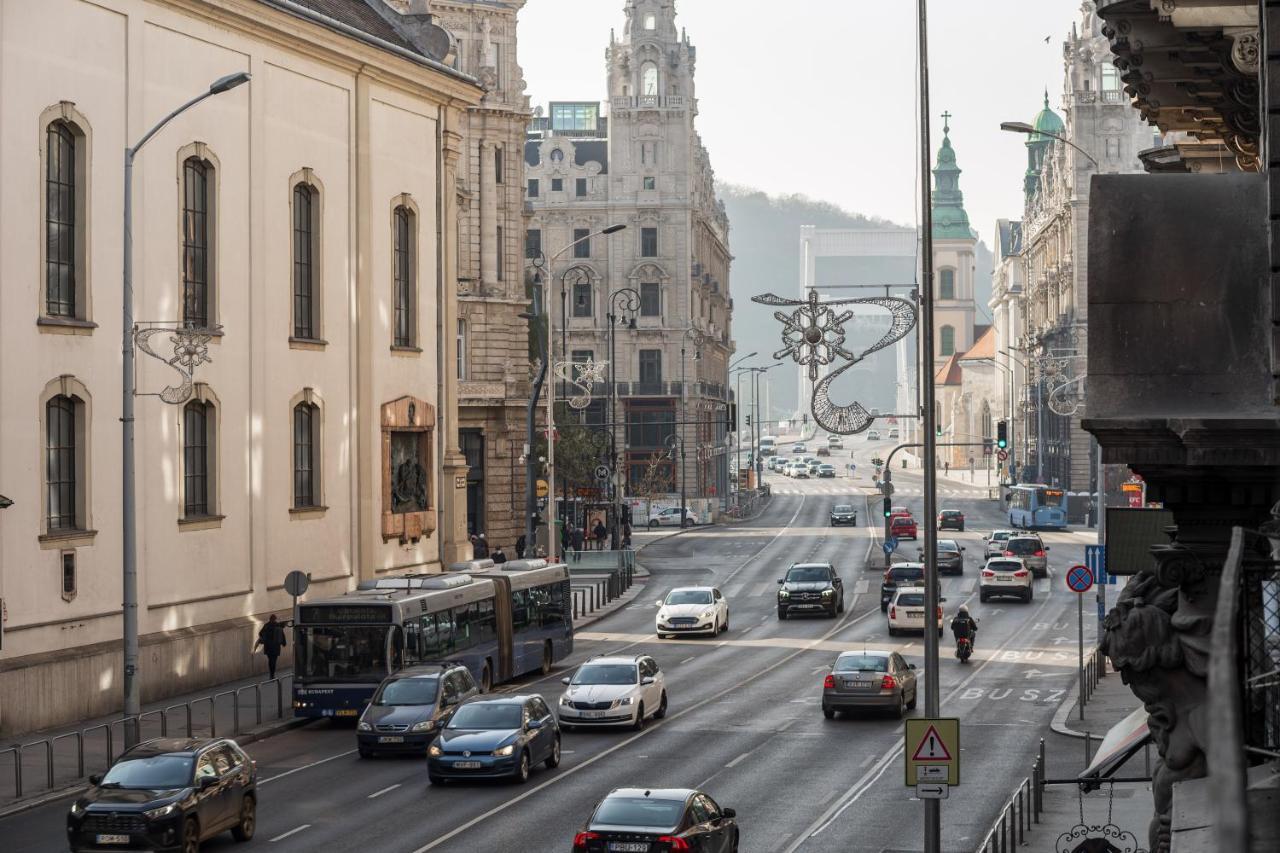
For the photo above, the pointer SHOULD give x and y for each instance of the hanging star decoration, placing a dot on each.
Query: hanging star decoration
(813, 336)
(583, 375)
(190, 350)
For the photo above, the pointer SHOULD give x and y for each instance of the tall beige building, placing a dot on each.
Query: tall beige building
(645, 168)
(492, 339)
(300, 219)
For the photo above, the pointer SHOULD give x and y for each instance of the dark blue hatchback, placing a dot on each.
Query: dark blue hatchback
(495, 739)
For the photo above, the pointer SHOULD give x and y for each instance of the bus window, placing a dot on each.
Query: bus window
(485, 624)
(444, 632)
(519, 609)
(430, 637)
(463, 615)
(1050, 497)
(412, 639)
(553, 611)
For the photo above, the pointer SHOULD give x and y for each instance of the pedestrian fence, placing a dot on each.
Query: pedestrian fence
(1095, 668)
(597, 578)
(60, 760)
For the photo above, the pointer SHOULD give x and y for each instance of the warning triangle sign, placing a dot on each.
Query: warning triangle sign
(931, 747)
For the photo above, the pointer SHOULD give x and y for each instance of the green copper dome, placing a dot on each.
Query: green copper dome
(950, 221)
(1047, 124)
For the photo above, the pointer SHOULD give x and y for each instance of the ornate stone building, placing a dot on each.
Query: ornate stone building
(492, 341)
(645, 168)
(296, 219)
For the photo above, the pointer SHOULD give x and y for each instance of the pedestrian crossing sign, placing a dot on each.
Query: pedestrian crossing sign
(932, 743)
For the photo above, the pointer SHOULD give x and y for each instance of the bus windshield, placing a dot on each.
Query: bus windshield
(1050, 497)
(341, 653)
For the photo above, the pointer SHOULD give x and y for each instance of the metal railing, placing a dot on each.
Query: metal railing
(1095, 668)
(1020, 812)
(597, 578)
(95, 746)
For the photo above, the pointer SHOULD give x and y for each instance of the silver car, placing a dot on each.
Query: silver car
(995, 542)
(1031, 550)
(869, 679)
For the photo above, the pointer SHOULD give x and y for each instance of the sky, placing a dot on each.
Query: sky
(818, 97)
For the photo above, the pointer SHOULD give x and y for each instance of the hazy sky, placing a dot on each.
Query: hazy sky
(818, 96)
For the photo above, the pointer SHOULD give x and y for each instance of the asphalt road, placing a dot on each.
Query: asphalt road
(744, 720)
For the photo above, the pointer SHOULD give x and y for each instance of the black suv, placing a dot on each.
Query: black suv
(658, 819)
(843, 514)
(950, 557)
(167, 794)
(901, 574)
(811, 587)
(410, 707)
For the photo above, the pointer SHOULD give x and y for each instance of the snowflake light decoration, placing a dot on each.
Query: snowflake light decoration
(583, 375)
(813, 337)
(190, 350)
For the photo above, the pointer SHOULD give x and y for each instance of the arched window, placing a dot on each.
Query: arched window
(649, 80)
(582, 306)
(306, 456)
(948, 341)
(61, 201)
(650, 21)
(197, 242)
(557, 156)
(199, 450)
(405, 331)
(306, 316)
(947, 284)
(62, 471)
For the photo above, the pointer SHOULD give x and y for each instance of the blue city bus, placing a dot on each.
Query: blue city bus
(500, 621)
(1037, 507)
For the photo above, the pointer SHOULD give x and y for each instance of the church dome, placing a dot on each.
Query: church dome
(1047, 124)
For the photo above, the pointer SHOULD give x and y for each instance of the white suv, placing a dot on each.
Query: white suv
(692, 610)
(906, 611)
(618, 690)
(1005, 576)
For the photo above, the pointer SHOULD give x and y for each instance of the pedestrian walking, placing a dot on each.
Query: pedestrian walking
(946, 467)
(577, 538)
(626, 534)
(271, 638)
(521, 545)
(601, 533)
(482, 547)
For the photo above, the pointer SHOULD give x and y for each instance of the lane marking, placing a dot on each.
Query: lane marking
(738, 760)
(689, 658)
(306, 767)
(290, 832)
(391, 788)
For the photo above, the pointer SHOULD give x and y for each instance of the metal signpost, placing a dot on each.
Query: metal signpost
(296, 583)
(1080, 581)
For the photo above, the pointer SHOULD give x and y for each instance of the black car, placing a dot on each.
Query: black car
(951, 519)
(843, 514)
(411, 706)
(901, 574)
(950, 557)
(167, 794)
(658, 820)
(811, 588)
(495, 739)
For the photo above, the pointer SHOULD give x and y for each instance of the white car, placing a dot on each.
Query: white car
(799, 471)
(995, 542)
(670, 517)
(1005, 576)
(873, 435)
(692, 610)
(614, 690)
(799, 448)
(906, 611)
(834, 443)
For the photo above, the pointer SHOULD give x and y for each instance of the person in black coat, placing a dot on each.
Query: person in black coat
(520, 547)
(271, 638)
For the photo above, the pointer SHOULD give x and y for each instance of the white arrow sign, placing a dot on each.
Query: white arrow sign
(1035, 673)
(933, 792)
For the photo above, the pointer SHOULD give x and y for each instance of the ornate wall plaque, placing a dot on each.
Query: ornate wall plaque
(408, 440)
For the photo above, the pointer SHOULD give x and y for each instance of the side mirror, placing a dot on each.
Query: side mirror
(942, 601)
(533, 725)
(911, 666)
(566, 680)
(1046, 547)
(206, 782)
(646, 681)
(780, 580)
(961, 547)
(658, 603)
(729, 813)
(95, 778)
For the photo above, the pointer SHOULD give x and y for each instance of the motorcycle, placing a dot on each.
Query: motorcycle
(964, 648)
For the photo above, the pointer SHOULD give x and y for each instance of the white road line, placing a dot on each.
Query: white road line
(306, 767)
(738, 760)
(292, 831)
(686, 660)
(861, 587)
(391, 788)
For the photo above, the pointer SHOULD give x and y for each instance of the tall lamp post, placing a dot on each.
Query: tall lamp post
(1024, 128)
(551, 396)
(128, 502)
(623, 306)
(756, 373)
(737, 401)
(698, 339)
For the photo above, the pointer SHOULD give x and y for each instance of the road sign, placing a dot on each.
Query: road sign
(932, 743)
(602, 472)
(1095, 557)
(933, 791)
(296, 583)
(542, 488)
(1079, 579)
(886, 488)
(1002, 455)
(931, 773)
(890, 545)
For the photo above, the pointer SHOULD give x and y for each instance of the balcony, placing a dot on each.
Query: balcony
(647, 102)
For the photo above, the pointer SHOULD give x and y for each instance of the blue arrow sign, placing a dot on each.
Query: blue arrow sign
(1095, 557)
(890, 545)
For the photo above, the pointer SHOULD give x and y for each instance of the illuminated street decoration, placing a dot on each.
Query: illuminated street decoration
(190, 350)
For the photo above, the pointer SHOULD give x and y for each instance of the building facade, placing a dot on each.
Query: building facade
(652, 300)
(295, 224)
(492, 340)
(954, 246)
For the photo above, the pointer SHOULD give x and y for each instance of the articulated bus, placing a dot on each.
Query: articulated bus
(500, 621)
(1036, 507)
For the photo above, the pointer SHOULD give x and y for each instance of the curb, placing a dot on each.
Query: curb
(44, 798)
(1059, 723)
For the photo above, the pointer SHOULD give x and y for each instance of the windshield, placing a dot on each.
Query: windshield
(1001, 535)
(843, 508)
(639, 811)
(1003, 566)
(689, 596)
(808, 574)
(342, 653)
(159, 772)
(1022, 546)
(913, 574)
(1050, 497)
(607, 673)
(911, 599)
(486, 715)
(948, 545)
(862, 663)
(408, 691)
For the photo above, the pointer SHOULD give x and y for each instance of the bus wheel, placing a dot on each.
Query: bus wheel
(546, 658)
(486, 678)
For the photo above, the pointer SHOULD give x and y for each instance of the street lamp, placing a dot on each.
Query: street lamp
(737, 401)
(699, 340)
(551, 400)
(756, 373)
(128, 502)
(623, 306)
(1024, 128)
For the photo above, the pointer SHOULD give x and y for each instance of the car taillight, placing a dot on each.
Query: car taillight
(893, 612)
(888, 574)
(1008, 553)
(676, 843)
(1039, 553)
(888, 683)
(987, 573)
(939, 613)
(580, 840)
(829, 681)
(1020, 573)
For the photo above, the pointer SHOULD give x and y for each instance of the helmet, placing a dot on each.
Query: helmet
(962, 610)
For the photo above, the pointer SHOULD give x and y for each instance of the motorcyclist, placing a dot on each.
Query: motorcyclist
(964, 627)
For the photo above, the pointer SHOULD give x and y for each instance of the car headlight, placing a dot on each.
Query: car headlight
(364, 727)
(782, 593)
(77, 809)
(163, 811)
(433, 750)
(424, 726)
(828, 592)
(566, 702)
(626, 700)
(707, 614)
(505, 750)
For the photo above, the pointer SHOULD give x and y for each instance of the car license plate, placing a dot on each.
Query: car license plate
(915, 614)
(595, 715)
(111, 839)
(1004, 578)
(466, 765)
(346, 712)
(391, 739)
(629, 846)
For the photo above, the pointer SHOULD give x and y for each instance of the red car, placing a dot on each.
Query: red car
(903, 527)
(899, 511)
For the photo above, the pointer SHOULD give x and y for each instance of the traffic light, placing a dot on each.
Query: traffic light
(1002, 434)
(888, 507)
(731, 417)
(748, 420)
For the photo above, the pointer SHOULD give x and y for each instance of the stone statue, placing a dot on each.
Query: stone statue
(488, 55)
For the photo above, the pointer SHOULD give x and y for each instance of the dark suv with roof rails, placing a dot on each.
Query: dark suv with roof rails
(410, 707)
